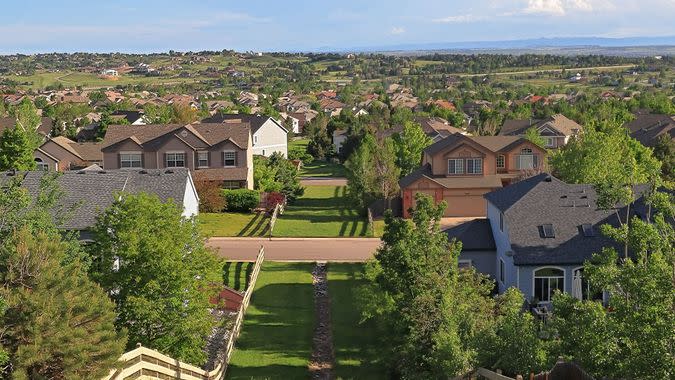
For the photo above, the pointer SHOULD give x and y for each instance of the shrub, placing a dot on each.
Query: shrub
(273, 199)
(210, 196)
(305, 157)
(241, 200)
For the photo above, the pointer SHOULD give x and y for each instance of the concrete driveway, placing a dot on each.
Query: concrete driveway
(296, 249)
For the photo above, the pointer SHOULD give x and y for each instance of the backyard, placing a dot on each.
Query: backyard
(233, 224)
(323, 211)
(276, 338)
(316, 168)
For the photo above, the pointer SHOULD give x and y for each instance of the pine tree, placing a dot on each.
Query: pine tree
(58, 324)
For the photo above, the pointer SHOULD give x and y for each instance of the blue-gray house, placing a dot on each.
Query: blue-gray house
(541, 230)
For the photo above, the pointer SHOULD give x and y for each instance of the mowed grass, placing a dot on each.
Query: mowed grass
(276, 338)
(355, 343)
(233, 224)
(322, 169)
(323, 211)
(236, 274)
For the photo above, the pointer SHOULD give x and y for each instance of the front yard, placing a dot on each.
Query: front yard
(324, 211)
(276, 338)
(233, 224)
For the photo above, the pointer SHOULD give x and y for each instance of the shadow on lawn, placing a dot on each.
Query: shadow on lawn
(358, 350)
(256, 227)
(276, 339)
(234, 281)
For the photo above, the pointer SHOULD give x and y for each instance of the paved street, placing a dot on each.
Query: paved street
(296, 249)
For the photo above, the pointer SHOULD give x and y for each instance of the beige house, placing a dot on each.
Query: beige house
(62, 154)
(555, 130)
(213, 152)
(461, 169)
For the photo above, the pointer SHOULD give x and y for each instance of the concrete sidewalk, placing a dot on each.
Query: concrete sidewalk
(296, 249)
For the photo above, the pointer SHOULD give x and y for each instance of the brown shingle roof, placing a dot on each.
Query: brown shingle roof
(221, 174)
(210, 133)
(558, 122)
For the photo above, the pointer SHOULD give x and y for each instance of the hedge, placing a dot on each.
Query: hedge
(241, 200)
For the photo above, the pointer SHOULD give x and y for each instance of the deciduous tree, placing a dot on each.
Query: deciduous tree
(408, 147)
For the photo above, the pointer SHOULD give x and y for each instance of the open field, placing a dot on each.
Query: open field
(324, 211)
(233, 224)
(276, 338)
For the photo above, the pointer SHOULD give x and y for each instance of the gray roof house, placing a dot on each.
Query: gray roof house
(86, 193)
(541, 232)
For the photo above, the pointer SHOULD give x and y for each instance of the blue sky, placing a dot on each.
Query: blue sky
(151, 25)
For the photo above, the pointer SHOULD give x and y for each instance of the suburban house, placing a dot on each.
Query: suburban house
(268, 135)
(648, 128)
(435, 128)
(88, 193)
(544, 229)
(461, 169)
(44, 128)
(213, 152)
(132, 117)
(61, 154)
(556, 130)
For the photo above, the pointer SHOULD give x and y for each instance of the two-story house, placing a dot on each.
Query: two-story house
(213, 152)
(555, 130)
(61, 154)
(268, 135)
(461, 169)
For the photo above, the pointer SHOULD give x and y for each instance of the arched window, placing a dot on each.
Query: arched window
(546, 281)
(41, 165)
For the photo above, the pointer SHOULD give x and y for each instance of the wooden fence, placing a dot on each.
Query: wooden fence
(143, 361)
(278, 210)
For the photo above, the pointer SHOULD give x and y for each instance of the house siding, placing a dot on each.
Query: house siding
(483, 261)
(526, 284)
(503, 245)
(270, 138)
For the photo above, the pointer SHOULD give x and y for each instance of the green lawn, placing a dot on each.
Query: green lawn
(323, 211)
(356, 346)
(233, 224)
(236, 274)
(378, 228)
(322, 169)
(298, 145)
(276, 339)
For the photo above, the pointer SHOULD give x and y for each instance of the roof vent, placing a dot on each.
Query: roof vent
(11, 173)
(143, 172)
(102, 172)
(563, 197)
(81, 172)
(547, 230)
(168, 171)
(548, 178)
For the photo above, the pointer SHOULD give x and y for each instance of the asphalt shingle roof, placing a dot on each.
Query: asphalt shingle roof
(475, 235)
(528, 205)
(212, 134)
(256, 121)
(87, 193)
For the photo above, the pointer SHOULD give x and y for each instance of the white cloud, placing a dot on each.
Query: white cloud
(397, 30)
(561, 7)
(459, 19)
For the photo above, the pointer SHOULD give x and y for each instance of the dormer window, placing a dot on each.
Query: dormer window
(456, 166)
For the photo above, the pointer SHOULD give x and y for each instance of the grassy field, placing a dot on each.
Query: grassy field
(276, 339)
(322, 169)
(236, 274)
(356, 346)
(323, 211)
(299, 145)
(233, 224)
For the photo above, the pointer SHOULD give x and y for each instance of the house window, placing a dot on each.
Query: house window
(526, 160)
(456, 166)
(547, 281)
(501, 161)
(464, 264)
(175, 160)
(131, 160)
(501, 271)
(231, 185)
(229, 158)
(581, 288)
(474, 165)
(501, 221)
(41, 165)
(550, 142)
(255, 139)
(203, 159)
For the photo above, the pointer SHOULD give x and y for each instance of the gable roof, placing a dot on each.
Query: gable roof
(528, 205)
(490, 143)
(558, 122)
(647, 128)
(256, 121)
(475, 235)
(87, 193)
(210, 133)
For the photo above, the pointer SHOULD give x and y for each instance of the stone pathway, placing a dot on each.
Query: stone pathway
(323, 356)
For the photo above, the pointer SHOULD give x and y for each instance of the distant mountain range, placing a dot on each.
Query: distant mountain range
(556, 45)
